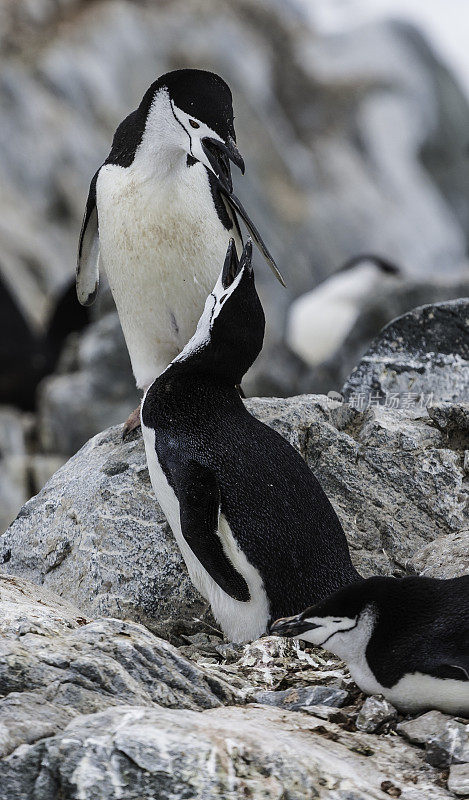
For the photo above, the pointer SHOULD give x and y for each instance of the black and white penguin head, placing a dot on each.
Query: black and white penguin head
(230, 332)
(381, 265)
(338, 623)
(362, 275)
(186, 113)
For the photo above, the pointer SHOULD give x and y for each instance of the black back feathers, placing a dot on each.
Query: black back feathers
(421, 624)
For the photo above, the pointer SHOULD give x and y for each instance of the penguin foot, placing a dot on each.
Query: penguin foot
(132, 422)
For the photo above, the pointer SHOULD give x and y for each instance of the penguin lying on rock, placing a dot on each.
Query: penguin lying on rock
(257, 533)
(407, 639)
(319, 321)
(160, 213)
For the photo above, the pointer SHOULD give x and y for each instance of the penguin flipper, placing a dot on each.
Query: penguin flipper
(199, 503)
(87, 277)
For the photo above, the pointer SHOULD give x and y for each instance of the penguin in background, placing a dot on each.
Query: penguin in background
(319, 322)
(404, 638)
(27, 353)
(256, 530)
(159, 216)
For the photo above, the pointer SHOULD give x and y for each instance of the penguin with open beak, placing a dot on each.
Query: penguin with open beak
(160, 213)
(253, 524)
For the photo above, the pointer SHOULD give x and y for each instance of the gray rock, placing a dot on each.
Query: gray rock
(446, 557)
(296, 699)
(28, 608)
(423, 354)
(449, 747)
(103, 709)
(96, 535)
(331, 713)
(445, 739)
(137, 752)
(55, 664)
(13, 465)
(422, 728)
(458, 781)
(121, 535)
(99, 391)
(374, 712)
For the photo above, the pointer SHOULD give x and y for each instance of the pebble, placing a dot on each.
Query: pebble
(446, 740)
(422, 728)
(295, 699)
(374, 713)
(458, 781)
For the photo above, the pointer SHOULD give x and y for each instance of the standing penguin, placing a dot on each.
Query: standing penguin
(256, 530)
(407, 639)
(319, 321)
(160, 213)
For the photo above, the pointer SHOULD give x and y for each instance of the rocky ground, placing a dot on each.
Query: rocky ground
(102, 708)
(114, 679)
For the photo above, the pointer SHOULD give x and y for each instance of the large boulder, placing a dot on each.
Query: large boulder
(96, 534)
(258, 753)
(423, 353)
(56, 664)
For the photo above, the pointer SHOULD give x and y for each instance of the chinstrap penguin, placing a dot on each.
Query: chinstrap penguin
(160, 213)
(254, 526)
(406, 638)
(319, 321)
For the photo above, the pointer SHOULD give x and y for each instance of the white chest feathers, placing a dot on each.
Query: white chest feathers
(239, 621)
(414, 692)
(161, 244)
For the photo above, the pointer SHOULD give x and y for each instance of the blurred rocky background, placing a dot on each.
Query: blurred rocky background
(355, 139)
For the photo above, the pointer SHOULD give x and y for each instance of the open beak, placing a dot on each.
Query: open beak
(219, 154)
(291, 626)
(232, 267)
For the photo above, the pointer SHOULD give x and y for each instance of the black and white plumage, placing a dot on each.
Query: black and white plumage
(160, 213)
(255, 529)
(405, 638)
(319, 321)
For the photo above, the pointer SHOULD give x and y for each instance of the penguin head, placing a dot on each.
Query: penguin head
(230, 332)
(334, 623)
(382, 266)
(189, 112)
(361, 276)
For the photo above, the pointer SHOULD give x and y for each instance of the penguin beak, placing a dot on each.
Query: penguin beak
(219, 154)
(292, 626)
(232, 267)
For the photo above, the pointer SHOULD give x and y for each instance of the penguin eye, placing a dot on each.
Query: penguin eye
(193, 123)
